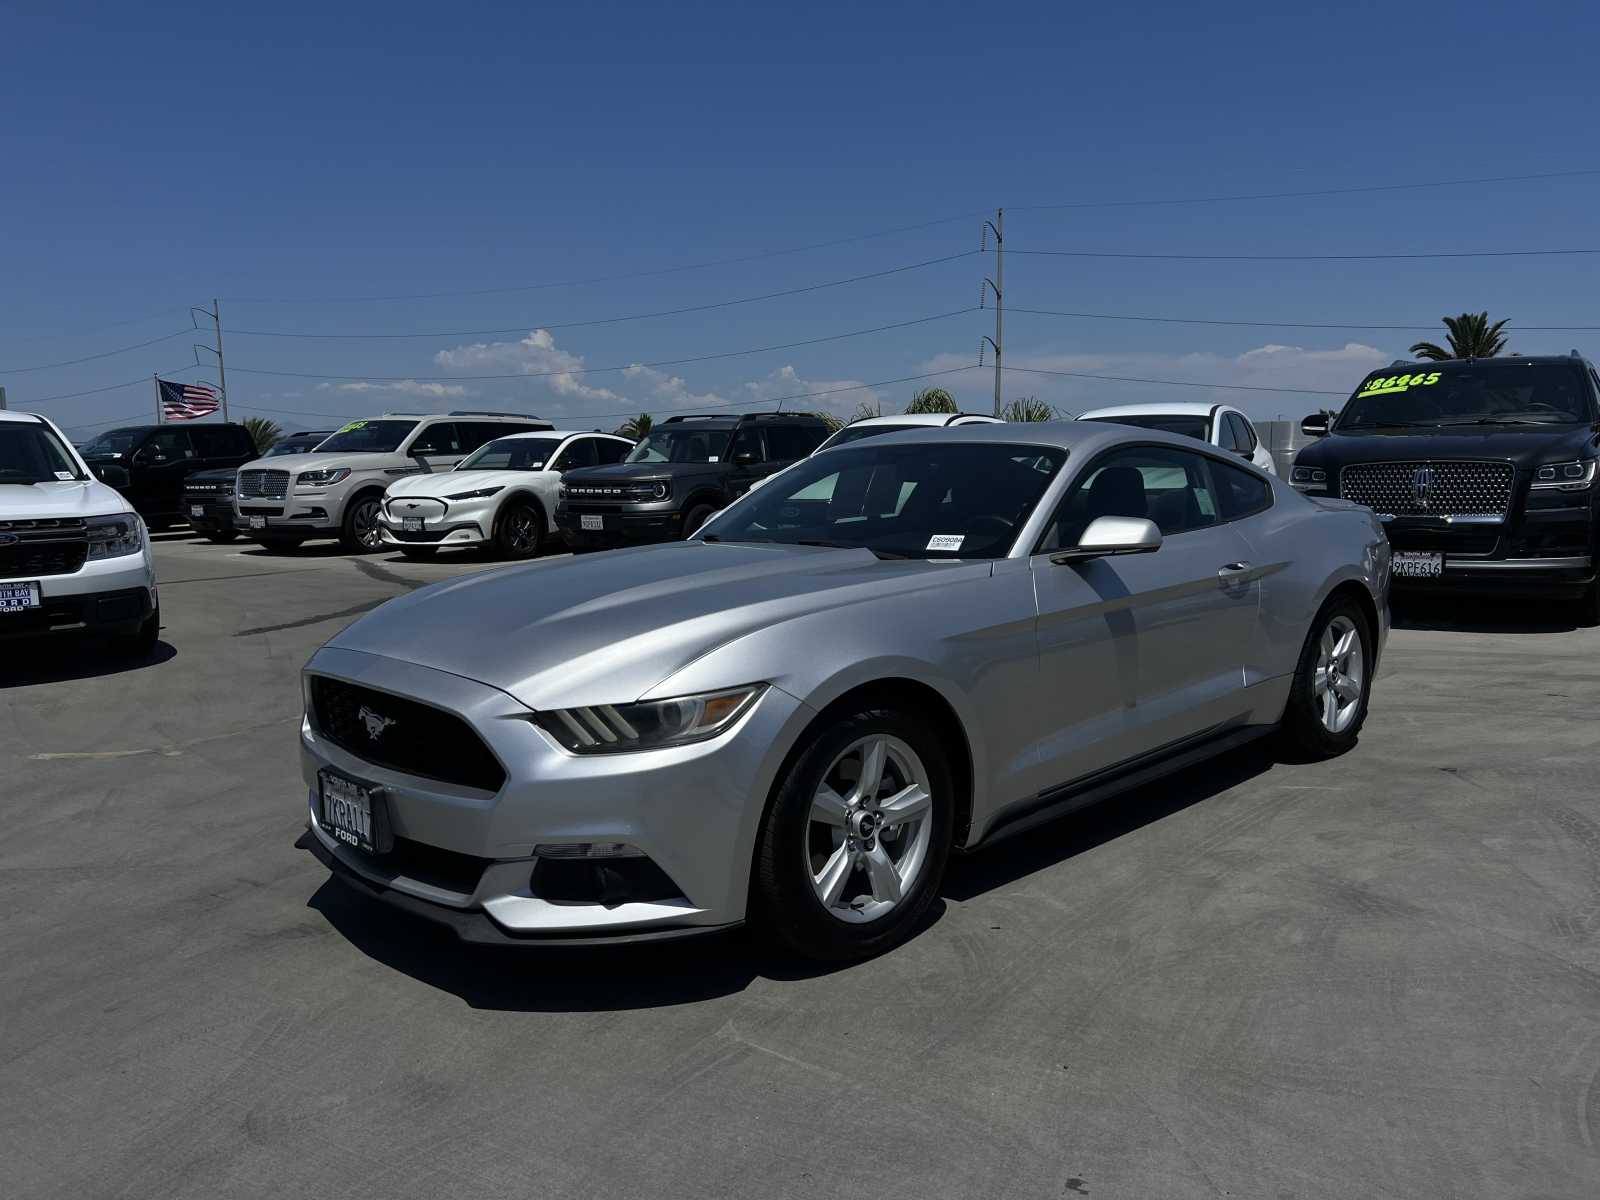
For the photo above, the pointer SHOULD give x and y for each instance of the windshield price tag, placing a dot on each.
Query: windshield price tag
(1393, 385)
(946, 541)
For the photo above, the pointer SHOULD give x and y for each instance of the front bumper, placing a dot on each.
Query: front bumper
(620, 528)
(444, 522)
(107, 596)
(208, 514)
(465, 857)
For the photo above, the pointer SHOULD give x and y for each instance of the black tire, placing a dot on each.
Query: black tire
(783, 897)
(1304, 733)
(519, 530)
(141, 642)
(696, 517)
(221, 539)
(359, 532)
(420, 553)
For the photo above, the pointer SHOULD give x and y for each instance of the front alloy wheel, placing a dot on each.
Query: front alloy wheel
(854, 844)
(1341, 670)
(361, 533)
(1332, 682)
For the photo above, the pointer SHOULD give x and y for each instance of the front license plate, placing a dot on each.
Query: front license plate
(1418, 564)
(258, 522)
(197, 510)
(18, 597)
(592, 521)
(413, 524)
(353, 812)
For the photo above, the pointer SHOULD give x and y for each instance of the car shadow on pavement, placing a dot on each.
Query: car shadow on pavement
(1479, 614)
(64, 658)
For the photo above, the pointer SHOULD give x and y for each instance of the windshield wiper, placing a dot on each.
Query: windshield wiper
(1387, 425)
(1504, 421)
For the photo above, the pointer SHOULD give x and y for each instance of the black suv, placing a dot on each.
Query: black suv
(208, 495)
(1482, 470)
(149, 463)
(682, 471)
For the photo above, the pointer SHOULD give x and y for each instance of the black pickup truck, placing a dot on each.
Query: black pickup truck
(148, 464)
(680, 473)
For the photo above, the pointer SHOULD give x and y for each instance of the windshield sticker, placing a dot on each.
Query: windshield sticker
(946, 541)
(713, 458)
(1395, 384)
(65, 475)
(353, 425)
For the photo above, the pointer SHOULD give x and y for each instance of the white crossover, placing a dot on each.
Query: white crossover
(1223, 427)
(74, 556)
(502, 497)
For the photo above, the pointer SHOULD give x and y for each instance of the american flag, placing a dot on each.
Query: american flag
(186, 401)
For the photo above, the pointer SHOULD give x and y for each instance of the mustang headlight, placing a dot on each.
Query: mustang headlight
(1566, 476)
(112, 537)
(479, 494)
(649, 724)
(324, 477)
(1307, 478)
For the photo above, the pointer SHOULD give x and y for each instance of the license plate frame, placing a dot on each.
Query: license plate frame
(591, 522)
(353, 813)
(257, 522)
(197, 510)
(411, 524)
(21, 597)
(1418, 564)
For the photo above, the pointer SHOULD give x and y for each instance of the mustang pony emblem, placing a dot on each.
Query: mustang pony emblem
(376, 723)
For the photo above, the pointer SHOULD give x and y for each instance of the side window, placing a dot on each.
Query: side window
(747, 441)
(1243, 433)
(1170, 487)
(167, 444)
(789, 443)
(579, 453)
(1239, 492)
(441, 438)
(610, 450)
(209, 441)
(473, 434)
(1227, 433)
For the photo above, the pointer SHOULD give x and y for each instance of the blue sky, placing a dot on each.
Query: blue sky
(297, 159)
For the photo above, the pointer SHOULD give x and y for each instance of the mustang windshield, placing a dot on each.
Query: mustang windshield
(681, 443)
(31, 453)
(368, 437)
(511, 454)
(926, 500)
(1184, 424)
(1502, 392)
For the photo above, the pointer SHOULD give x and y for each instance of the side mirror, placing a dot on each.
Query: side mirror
(1316, 425)
(148, 456)
(744, 458)
(1109, 536)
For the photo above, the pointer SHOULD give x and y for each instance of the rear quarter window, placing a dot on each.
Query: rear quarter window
(1239, 492)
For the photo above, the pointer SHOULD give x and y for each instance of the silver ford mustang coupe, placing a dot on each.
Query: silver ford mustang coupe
(904, 647)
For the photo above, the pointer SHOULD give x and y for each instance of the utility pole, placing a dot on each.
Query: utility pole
(215, 313)
(998, 284)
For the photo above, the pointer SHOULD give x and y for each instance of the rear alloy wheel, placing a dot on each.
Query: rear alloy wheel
(360, 533)
(519, 531)
(1332, 683)
(855, 844)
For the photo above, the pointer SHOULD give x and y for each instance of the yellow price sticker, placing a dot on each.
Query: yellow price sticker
(1393, 385)
(353, 425)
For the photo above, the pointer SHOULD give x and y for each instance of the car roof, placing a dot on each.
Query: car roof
(1176, 408)
(1079, 437)
(1498, 360)
(562, 433)
(934, 419)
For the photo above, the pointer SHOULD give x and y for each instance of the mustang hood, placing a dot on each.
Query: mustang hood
(1523, 445)
(609, 628)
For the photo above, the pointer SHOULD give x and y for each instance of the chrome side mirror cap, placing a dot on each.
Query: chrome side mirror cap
(1109, 536)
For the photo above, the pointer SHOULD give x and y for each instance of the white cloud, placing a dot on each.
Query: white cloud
(786, 385)
(402, 387)
(534, 355)
(672, 390)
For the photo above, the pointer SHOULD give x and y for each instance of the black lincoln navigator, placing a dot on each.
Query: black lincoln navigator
(1482, 470)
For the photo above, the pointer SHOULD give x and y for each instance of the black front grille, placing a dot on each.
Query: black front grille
(1430, 488)
(417, 740)
(42, 547)
(437, 867)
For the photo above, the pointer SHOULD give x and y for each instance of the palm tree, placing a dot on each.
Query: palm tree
(263, 432)
(636, 428)
(865, 411)
(932, 400)
(1471, 336)
(833, 423)
(1028, 408)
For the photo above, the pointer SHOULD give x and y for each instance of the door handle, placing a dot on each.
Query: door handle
(1233, 568)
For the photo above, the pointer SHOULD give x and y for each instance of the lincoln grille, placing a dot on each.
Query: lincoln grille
(417, 739)
(273, 485)
(44, 547)
(1429, 489)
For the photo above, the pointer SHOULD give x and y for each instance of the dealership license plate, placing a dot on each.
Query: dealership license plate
(1418, 564)
(351, 812)
(258, 522)
(592, 521)
(197, 510)
(413, 524)
(18, 597)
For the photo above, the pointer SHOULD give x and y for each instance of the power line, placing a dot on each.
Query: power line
(1342, 191)
(537, 287)
(662, 362)
(668, 312)
(71, 362)
(1304, 257)
(1232, 387)
(53, 337)
(1089, 316)
(142, 381)
(135, 417)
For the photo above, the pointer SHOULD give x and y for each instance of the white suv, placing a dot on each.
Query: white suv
(337, 492)
(1224, 427)
(502, 497)
(74, 556)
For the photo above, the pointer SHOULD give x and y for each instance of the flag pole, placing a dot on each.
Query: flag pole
(156, 379)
